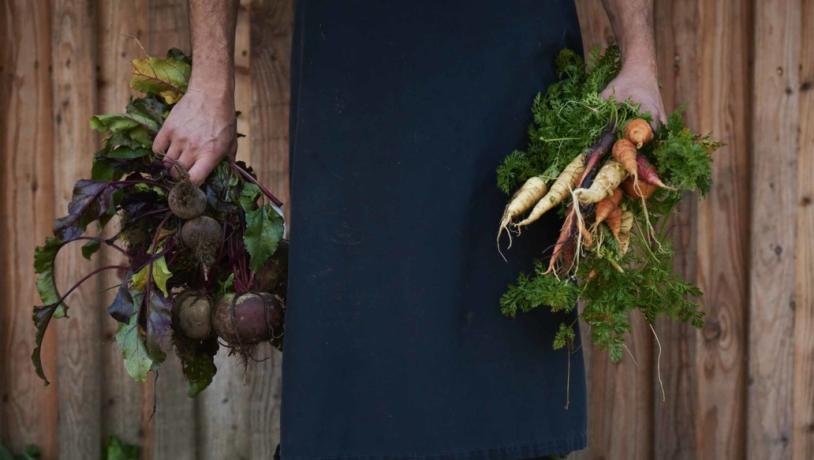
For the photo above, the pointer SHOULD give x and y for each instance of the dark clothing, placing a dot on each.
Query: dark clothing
(395, 345)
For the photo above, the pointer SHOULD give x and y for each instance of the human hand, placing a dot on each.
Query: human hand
(640, 86)
(199, 132)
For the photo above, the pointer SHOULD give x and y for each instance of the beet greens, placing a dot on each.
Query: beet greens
(128, 191)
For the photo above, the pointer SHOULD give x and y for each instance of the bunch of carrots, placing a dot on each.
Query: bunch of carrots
(625, 174)
(617, 180)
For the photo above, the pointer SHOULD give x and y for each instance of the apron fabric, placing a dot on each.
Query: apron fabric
(395, 347)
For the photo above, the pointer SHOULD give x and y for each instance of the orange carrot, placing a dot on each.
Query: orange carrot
(614, 221)
(606, 206)
(639, 132)
(625, 153)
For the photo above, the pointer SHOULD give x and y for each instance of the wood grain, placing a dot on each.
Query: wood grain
(79, 380)
(775, 125)
(271, 30)
(122, 26)
(27, 407)
(674, 419)
(803, 391)
(721, 106)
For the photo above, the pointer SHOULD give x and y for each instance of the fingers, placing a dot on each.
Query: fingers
(161, 141)
(171, 159)
(202, 167)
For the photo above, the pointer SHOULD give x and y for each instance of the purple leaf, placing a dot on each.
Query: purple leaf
(91, 200)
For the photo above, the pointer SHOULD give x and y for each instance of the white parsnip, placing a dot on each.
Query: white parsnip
(608, 178)
(560, 189)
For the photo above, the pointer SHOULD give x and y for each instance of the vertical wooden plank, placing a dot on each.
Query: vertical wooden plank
(224, 406)
(271, 31)
(222, 411)
(170, 430)
(27, 407)
(121, 26)
(243, 86)
(774, 188)
(704, 48)
(620, 396)
(803, 386)
(80, 345)
(169, 26)
(721, 106)
(674, 419)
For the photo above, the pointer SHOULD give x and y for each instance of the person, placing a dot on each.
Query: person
(400, 112)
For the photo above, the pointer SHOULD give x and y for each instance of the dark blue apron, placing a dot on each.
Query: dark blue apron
(395, 346)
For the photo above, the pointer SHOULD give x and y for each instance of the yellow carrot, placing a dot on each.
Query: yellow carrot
(625, 227)
(608, 178)
(523, 199)
(559, 190)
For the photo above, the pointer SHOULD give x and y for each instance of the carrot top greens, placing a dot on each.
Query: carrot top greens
(611, 276)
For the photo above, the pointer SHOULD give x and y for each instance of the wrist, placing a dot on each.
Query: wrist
(640, 57)
(217, 88)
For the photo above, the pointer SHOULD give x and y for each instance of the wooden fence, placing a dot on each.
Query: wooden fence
(743, 386)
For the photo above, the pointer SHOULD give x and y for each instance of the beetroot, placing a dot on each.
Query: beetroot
(203, 235)
(193, 313)
(186, 200)
(249, 319)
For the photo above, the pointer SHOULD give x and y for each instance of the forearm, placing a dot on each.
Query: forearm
(213, 25)
(632, 22)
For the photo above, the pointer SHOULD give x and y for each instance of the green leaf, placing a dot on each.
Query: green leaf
(103, 169)
(166, 77)
(249, 194)
(565, 336)
(112, 123)
(90, 248)
(264, 229)
(161, 274)
(127, 153)
(137, 360)
(31, 452)
(197, 361)
(44, 263)
(117, 449)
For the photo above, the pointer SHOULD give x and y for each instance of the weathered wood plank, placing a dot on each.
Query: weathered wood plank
(803, 385)
(169, 26)
(170, 431)
(27, 407)
(80, 344)
(243, 86)
(271, 29)
(720, 106)
(674, 419)
(774, 204)
(121, 26)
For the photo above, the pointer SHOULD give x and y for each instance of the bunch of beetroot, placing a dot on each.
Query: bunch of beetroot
(202, 267)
